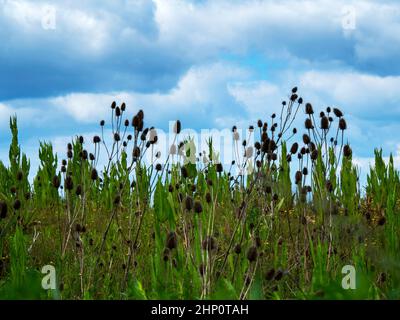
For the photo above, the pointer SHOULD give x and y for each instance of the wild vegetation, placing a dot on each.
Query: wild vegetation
(279, 223)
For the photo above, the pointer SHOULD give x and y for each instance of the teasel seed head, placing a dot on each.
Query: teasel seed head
(309, 109)
(69, 154)
(238, 248)
(189, 203)
(78, 190)
(81, 140)
(69, 184)
(298, 177)
(294, 89)
(117, 137)
(219, 167)
(17, 204)
(294, 148)
(184, 172)
(324, 123)
(177, 127)
(252, 254)
(172, 240)
(270, 274)
(198, 208)
(94, 175)
(337, 112)
(3, 209)
(314, 155)
(117, 111)
(308, 124)
(306, 139)
(158, 167)
(347, 152)
(123, 106)
(102, 123)
(113, 105)
(208, 197)
(342, 124)
(56, 182)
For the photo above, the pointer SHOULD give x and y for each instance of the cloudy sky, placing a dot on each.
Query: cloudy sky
(210, 63)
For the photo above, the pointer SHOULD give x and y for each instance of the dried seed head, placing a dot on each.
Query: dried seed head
(17, 204)
(69, 146)
(294, 90)
(342, 124)
(270, 274)
(328, 109)
(238, 248)
(189, 203)
(314, 154)
(113, 105)
(172, 241)
(68, 183)
(208, 197)
(102, 123)
(184, 172)
(136, 152)
(259, 123)
(81, 140)
(309, 109)
(94, 175)
(305, 171)
(117, 111)
(306, 139)
(3, 209)
(337, 112)
(177, 127)
(324, 123)
(300, 101)
(158, 167)
(123, 106)
(56, 182)
(252, 254)
(198, 208)
(298, 177)
(294, 148)
(92, 157)
(69, 154)
(308, 124)
(78, 190)
(219, 168)
(347, 152)
(117, 137)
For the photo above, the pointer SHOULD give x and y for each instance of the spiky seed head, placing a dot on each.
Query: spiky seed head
(177, 127)
(113, 105)
(238, 248)
(172, 240)
(17, 204)
(68, 183)
(314, 154)
(294, 148)
(198, 208)
(270, 274)
(337, 112)
(309, 109)
(347, 152)
(117, 111)
(308, 124)
(342, 124)
(3, 209)
(306, 139)
(94, 175)
(324, 123)
(252, 254)
(158, 167)
(56, 182)
(123, 106)
(102, 123)
(298, 177)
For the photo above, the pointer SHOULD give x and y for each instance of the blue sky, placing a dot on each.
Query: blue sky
(209, 63)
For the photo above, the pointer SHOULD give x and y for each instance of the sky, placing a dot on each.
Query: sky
(209, 63)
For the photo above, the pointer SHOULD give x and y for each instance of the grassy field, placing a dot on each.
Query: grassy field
(197, 229)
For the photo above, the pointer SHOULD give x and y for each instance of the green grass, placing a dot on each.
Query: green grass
(134, 230)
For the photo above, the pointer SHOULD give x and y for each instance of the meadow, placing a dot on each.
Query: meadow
(279, 222)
